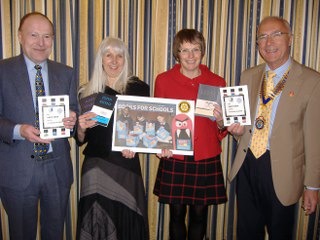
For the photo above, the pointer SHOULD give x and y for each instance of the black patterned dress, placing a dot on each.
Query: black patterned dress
(112, 202)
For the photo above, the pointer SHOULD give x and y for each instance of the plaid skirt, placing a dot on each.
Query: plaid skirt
(190, 182)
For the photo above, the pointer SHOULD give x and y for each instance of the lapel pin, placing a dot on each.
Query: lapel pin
(291, 93)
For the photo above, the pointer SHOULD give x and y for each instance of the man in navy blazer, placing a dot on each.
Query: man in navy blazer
(27, 179)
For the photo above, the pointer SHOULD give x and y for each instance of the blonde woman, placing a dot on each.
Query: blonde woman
(112, 203)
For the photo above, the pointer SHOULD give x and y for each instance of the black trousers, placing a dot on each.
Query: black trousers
(258, 205)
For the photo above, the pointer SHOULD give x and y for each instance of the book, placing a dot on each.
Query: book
(87, 102)
(208, 97)
(100, 103)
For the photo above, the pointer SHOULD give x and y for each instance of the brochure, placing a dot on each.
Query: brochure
(100, 103)
(103, 107)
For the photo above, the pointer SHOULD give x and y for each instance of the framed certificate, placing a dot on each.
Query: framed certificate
(235, 105)
(145, 124)
(52, 110)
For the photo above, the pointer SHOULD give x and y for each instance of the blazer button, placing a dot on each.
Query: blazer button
(245, 150)
(32, 156)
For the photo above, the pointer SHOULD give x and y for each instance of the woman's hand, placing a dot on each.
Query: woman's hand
(128, 153)
(85, 121)
(217, 113)
(165, 153)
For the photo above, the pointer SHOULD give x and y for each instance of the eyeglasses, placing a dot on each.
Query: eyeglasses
(186, 51)
(273, 36)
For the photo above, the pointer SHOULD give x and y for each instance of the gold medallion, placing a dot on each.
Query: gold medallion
(184, 107)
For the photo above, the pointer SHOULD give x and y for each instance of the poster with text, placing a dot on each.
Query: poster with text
(145, 124)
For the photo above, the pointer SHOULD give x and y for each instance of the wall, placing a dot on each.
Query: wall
(148, 27)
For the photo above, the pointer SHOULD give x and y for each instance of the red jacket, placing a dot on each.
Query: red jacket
(173, 84)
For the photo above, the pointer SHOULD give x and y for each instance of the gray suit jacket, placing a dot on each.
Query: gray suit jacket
(16, 107)
(294, 143)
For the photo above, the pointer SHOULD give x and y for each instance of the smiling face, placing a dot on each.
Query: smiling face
(190, 58)
(274, 50)
(36, 38)
(113, 63)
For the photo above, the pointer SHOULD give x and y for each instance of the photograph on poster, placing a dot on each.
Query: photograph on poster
(144, 124)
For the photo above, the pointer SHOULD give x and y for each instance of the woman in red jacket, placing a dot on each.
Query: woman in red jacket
(195, 180)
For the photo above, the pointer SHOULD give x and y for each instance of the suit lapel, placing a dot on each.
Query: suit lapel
(53, 81)
(255, 89)
(22, 84)
(288, 94)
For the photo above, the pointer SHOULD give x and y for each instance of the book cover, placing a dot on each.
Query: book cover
(208, 96)
(103, 106)
(87, 102)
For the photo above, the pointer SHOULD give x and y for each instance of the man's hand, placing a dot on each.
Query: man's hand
(310, 201)
(236, 129)
(32, 134)
(70, 121)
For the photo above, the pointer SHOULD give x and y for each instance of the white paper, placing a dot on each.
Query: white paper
(235, 105)
(52, 110)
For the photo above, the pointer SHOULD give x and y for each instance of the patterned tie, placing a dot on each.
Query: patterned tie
(261, 132)
(40, 149)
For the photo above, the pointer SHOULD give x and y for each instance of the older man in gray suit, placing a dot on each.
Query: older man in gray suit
(26, 177)
(270, 183)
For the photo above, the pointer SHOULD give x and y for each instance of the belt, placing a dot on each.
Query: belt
(43, 157)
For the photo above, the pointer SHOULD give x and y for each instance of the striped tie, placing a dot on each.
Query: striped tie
(40, 149)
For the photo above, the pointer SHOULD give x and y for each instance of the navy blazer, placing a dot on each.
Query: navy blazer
(16, 107)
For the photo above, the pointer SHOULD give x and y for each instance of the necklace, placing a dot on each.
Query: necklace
(275, 91)
(260, 121)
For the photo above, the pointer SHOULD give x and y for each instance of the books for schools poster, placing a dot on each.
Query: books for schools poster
(145, 124)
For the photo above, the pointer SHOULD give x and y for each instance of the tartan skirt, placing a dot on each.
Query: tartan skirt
(190, 182)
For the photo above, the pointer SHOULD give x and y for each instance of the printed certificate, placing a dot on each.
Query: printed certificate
(145, 124)
(235, 105)
(52, 110)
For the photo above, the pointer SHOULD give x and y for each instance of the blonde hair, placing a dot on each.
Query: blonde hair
(99, 78)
